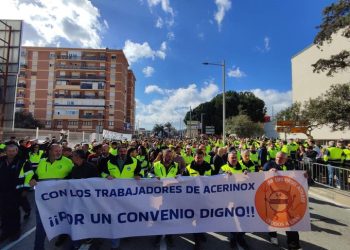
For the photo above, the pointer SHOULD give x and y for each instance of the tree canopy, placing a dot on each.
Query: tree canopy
(243, 127)
(236, 103)
(26, 120)
(332, 109)
(336, 18)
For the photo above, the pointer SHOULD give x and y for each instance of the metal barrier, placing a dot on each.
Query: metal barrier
(326, 175)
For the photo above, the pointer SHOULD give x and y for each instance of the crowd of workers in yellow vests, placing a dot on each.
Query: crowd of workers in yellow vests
(25, 162)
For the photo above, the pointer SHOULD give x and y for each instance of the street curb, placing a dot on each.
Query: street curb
(338, 196)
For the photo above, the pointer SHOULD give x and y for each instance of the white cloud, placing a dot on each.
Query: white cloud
(148, 71)
(165, 5)
(274, 100)
(171, 36)
(236, 73)
(174, 104)
(223, 6)
(136, 51)
(159, 23)
(153, 89)
(266, 47)
(48, 23)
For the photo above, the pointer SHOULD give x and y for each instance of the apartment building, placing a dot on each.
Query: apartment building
(307, 84)
(77, 89)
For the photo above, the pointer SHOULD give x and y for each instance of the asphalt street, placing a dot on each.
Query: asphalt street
(329, 222)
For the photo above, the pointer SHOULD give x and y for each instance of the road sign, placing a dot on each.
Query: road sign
(209, 130)
(298, 130)
(283, 129)
(285, 123)
(290, 123)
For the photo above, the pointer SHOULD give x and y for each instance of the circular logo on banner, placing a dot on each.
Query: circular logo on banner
(281, 201)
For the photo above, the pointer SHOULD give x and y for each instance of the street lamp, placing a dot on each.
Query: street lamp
(223, 66)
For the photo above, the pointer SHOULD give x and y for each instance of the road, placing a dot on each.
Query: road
(329, 222)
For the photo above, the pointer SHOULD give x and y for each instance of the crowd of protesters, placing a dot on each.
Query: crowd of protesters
(25, 162)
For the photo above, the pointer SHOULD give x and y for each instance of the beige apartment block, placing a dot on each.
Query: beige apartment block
(307, 84)
(77, 89)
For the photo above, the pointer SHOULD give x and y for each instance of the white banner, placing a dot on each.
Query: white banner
(101, 208)
(110, 135)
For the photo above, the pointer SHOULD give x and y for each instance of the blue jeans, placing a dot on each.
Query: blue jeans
(40, 234)
(331, 176)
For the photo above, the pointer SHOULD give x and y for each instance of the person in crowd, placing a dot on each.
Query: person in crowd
(35, 155)
(280, 165)
(15, 173)
(85, 147)
(55, 166)
(142, 157)
(165, 168)
(188, 156)
(198, 167)
(67, 152)
(333, 157)
(218, 161)
(97, 151)
(234, 167)
(247, 163)
(179, 159)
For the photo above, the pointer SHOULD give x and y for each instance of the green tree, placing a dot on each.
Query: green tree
(236, 103)
(26, 120)
(334, 107)
(158, 129)
(336, 18)
(242, 126)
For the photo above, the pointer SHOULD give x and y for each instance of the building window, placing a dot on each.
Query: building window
(100, 123)
(113, 57)
(73, 123)
(58, 123)
(87, 123)
(48, 123)
(111, 123)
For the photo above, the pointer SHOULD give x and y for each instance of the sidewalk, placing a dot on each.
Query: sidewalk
(338, 196)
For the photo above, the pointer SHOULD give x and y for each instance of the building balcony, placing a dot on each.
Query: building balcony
(23, 65)
(97, 116)
(21, 85)
(93, 78)
(80, 67)
(78, 96)
(22, 75)
(19, 105)
(20, 95)
(82, 58)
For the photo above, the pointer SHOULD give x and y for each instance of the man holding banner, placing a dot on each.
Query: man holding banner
(198, 167)
(54, 167)
(165, 168)
(235, 167)
(274, 166)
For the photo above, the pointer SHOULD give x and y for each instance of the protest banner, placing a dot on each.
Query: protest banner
(101, 208)
(110, 135)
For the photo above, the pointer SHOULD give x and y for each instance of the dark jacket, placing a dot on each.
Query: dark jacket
(86, 170)
(205, 166)
(218, 161)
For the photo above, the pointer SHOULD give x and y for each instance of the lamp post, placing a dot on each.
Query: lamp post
(223, 66)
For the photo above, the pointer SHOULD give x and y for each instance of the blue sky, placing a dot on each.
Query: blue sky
(167, 40)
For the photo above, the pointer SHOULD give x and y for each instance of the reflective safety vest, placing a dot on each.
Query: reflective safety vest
(228, 168)
(161, 171)
(2, 146)
(284, 168)
(144, 165)
(254, 158)
(207, 149)
(207, 158)
(113, 151)
(59, 169)
(286, 149)
(271, 154)
(25, 175)
(347, 154)
(34, 158)
(127, 172)
(251, 168)
(188, 158)
(334, 155)
(193, 172)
